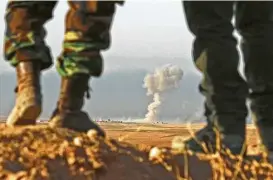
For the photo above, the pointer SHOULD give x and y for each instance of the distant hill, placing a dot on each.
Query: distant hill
(117, 94)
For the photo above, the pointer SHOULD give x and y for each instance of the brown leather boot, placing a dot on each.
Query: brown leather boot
(28, 104)
(68, 113)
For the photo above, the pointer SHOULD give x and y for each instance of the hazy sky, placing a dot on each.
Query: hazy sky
(140, 29)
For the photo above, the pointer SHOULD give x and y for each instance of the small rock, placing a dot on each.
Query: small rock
(78, 141)
(92, 134)
(155, 154)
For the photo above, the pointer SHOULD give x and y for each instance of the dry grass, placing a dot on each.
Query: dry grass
(43, 153)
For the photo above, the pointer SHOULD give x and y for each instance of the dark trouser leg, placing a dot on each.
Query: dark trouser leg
(257, 44)
(26, 50)
(216, 56)
(87, 33)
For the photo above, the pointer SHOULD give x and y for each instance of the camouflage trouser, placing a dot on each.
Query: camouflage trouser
(215, 54)
(86, 33)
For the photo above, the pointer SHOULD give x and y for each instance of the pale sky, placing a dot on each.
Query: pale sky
(140, 29)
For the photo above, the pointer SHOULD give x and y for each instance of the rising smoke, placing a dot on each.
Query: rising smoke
(162, 80)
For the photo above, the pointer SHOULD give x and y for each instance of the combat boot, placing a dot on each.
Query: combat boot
(207, 140)
(28, 104)
(68, 113)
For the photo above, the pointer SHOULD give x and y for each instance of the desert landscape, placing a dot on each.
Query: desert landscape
(131, 151)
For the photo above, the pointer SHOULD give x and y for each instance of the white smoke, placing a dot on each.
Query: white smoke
(162, 80)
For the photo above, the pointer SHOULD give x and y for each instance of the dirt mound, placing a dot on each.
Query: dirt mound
(39, 152)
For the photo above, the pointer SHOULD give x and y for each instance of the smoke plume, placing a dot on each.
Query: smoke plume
(162, 80)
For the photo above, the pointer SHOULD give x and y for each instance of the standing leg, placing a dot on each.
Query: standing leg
(26, 50)
(87, 33)
(216, 56)
(257, 45)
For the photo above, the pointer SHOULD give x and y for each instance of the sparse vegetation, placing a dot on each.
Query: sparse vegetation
(43, 153)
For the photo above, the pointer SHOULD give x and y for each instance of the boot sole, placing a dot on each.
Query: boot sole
(24, 116)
